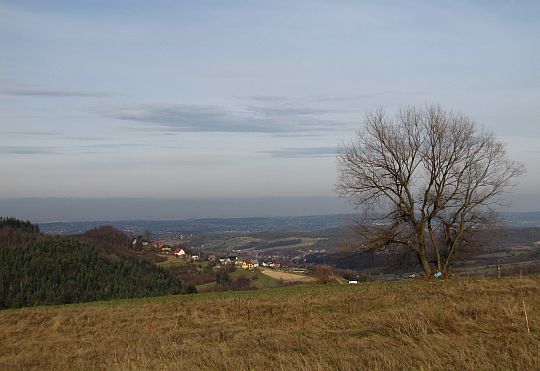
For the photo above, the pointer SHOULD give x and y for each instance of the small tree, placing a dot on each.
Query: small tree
(222, 277)
(426, 180)
(147, 235)
(322, 273)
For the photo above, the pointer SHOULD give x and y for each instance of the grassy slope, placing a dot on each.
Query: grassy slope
(454, 324)
(259, 280)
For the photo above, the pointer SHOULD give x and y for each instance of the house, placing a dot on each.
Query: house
(166, 249)
(228, 260)
(195, 257)
(138, 242)
(225, 261)
(158, 244)
(250, 264)
(179, 252)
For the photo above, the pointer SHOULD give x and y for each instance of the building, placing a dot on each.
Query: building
(250, 264)
(179, 252)
(158, 244)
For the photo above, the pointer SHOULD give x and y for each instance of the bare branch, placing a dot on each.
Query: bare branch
(430, 174)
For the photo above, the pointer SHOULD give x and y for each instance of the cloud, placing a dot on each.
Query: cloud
(52, 92)
(83, 138)
(25, 150)
(303, 152)
(287, 111)
(268, 98)
(30, 133)
(201, 118)
(63, 150)
(336, 98)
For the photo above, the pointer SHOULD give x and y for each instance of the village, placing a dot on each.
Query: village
(248, 258)
(162, 248)
(205, 269)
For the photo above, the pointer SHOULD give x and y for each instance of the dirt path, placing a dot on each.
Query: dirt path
(287, 277)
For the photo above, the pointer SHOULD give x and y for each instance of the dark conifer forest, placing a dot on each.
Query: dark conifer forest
(36, 269)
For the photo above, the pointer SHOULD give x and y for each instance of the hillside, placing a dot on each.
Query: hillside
(326, 239)
(462, 324)
(36, 269)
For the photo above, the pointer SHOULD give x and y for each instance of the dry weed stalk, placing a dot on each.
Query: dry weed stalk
(526, 317)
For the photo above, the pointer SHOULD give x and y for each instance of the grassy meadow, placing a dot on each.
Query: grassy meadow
(460, 323)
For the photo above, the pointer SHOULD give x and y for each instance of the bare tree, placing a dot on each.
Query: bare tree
(430, 178)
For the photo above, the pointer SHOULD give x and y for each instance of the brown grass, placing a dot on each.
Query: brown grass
(461, 324)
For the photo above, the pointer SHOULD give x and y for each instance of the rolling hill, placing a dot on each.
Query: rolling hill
(457, 324)
(36, 269)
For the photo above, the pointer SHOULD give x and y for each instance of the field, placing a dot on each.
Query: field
(287, 277)
(460, 323)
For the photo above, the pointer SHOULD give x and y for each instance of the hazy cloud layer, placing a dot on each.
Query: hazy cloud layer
(52, 92)
(287, 110)
(53, 150)
(203, 118)
(317, 98)
(303, 152)
(30, 133)
(25, 150)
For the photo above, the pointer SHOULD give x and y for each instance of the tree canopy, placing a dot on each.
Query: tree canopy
(427, 179)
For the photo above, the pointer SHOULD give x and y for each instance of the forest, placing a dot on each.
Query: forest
(36, 269)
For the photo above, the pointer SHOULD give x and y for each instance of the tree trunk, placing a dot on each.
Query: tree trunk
(424, 262)
(435, 247)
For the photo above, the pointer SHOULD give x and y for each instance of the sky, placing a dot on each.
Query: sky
(234, 100)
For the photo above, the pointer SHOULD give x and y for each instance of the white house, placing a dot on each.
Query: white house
(179, 252)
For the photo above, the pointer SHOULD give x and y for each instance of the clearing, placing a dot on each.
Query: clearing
(286, 276)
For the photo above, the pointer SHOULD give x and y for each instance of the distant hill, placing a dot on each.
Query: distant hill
(232, 225)
(311, 223)
(521, 219)
(36, 269)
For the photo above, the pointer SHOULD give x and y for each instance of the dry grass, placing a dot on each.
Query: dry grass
(460, 324)
(286, 276)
